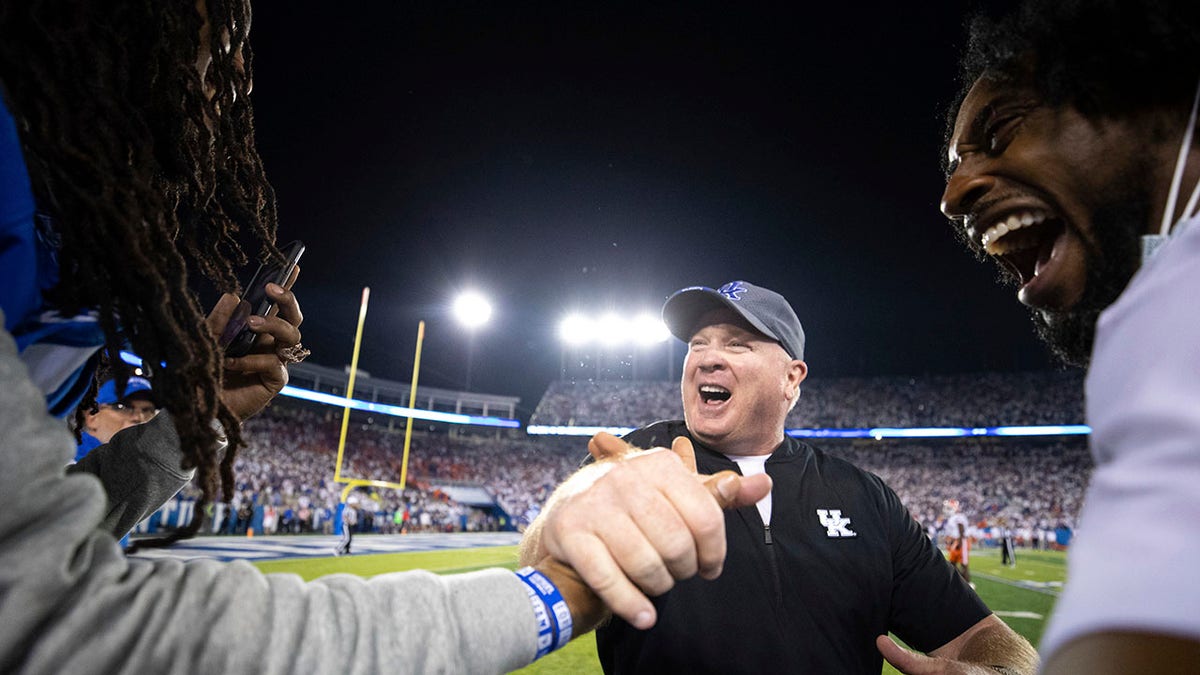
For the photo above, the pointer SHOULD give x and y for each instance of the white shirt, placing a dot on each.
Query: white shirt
(1132, 565)
(752, 465)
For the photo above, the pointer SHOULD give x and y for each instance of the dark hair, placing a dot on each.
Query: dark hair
(146, 180)
(1106, 58)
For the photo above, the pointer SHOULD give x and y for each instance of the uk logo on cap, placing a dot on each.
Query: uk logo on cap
(732, 290)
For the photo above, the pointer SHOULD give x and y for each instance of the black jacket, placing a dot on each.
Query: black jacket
(810, 593)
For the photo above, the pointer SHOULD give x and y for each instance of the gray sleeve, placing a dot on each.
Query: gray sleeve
(71, 602)
(139, 470)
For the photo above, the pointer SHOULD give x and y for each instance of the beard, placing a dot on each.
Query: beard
(1117, 226)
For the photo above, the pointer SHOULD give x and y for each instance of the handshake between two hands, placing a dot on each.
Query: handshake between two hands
(635, 521)
(631, 524)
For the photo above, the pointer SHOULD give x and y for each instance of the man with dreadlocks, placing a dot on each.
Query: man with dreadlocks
(124, 174)
(134, 122)
(1073, 165)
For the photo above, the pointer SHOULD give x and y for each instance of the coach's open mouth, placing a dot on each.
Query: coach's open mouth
(714, 394)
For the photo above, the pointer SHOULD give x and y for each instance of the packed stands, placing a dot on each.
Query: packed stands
(284, 477)
(976, 400)
(500, 479)
(1024, 483)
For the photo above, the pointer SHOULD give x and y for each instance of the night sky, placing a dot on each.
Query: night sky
(564, 159)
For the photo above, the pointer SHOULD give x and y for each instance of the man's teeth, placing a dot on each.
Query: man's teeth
(711, 392)
(991, 239)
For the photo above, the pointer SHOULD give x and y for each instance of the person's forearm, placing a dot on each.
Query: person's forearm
(139, 469)
(416, 621)
(1000, 649)
(587, 611)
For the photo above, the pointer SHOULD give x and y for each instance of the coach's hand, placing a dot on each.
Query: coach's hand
(606, 446)
(251, 381)
(631, 524)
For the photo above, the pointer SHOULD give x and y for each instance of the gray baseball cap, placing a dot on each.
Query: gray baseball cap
(766, 310)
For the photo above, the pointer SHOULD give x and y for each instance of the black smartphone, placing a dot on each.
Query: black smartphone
(237, 339)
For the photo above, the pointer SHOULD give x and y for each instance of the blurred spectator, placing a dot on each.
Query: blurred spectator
(115, 412)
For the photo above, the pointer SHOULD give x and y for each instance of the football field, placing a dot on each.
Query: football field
(1023, 595)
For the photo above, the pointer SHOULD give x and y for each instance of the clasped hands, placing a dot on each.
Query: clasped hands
(633, 523)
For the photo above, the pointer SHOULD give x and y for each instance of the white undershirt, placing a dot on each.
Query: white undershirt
(752, 465)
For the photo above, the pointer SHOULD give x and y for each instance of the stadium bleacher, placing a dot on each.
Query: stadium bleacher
(499, 479)
(970, 400)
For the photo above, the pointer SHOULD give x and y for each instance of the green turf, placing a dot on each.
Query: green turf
(993, 582)
(448, 561)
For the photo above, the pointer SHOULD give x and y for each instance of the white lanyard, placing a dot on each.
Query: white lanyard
(1152, 242)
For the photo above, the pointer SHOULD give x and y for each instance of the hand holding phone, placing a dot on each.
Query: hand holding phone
(237, 339)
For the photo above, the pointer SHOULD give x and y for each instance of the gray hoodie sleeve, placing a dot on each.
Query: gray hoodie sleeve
(71, 602)
(139, 469)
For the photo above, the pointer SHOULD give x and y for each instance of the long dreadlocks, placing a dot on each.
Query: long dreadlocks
(148, 174)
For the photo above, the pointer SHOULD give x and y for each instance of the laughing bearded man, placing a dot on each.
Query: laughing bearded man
(1072, 163)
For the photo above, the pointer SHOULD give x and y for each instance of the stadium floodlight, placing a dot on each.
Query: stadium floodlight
(576, 329)
(648, 330)
(472, 309)
(612, 330)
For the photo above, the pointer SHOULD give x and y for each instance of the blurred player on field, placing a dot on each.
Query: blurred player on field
(1008, 553)
(958, 541)
(344, 521)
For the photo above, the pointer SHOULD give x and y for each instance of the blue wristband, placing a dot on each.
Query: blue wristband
(553, 616)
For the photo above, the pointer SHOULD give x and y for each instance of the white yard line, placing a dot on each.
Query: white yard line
(1044, 587)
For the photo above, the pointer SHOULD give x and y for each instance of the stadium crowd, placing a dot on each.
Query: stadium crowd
(287, 469)
(1032, 486)
(975, 400)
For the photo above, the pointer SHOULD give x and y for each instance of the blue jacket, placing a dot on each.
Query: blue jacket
(60, 352)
